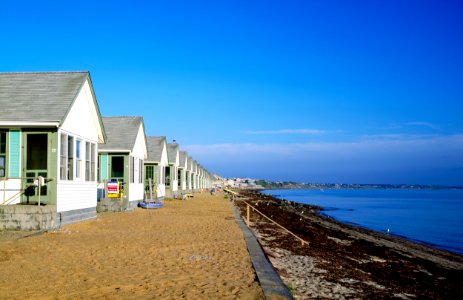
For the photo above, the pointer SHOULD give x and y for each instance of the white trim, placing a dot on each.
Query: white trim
(30, 124)
(79, 136)
(114, 151)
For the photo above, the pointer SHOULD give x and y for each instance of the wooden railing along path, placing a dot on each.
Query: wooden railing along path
(237, 196)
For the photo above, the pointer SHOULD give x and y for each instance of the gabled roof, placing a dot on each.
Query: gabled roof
(155, 147)
(189, 164)
(172, 150)
(39, 96)
(183, 158)
(121, 132)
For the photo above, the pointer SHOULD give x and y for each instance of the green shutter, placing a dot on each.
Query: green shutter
(104, 167)
(14, 152)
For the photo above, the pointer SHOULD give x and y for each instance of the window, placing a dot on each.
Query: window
(78, 158)
(88, 155)
(66, 164)
(117, 168)
(89, 161)
(2, 154)
(140, 171)
(63, 156)
(70, 157)
(149, 172)
(132, 165)
(156, 175)
(167, 175)
(92, 161)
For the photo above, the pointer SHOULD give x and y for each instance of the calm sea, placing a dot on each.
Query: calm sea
(429, 216)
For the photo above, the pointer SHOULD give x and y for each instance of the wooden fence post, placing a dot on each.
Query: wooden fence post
(248, 212)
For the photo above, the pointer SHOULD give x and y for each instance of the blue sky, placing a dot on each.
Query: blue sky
(313, 91)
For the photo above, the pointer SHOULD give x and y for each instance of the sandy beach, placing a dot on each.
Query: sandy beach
(191, 249)
(346, 262)
(194, 249)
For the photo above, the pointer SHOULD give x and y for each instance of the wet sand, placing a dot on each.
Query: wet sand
(347, 262)
(191, 249)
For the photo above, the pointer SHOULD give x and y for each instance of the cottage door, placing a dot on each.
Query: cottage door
(35, 164)
(116, 167)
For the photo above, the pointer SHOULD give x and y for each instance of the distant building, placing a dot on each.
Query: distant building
(189, 174)
(182, 172)
(195, 176)
(172, 170)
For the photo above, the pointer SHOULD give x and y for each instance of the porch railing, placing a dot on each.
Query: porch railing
(29, 189)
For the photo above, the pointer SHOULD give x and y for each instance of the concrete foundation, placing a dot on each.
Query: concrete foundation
(27, 217)
(34, 217)
(115, 205)
(73, 216)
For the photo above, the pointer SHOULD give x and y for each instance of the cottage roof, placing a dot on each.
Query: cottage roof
(189, 164)
(155, 147)
(194, 165)
(39, 96)
(121, 132)
(172, 150)
(183, 158)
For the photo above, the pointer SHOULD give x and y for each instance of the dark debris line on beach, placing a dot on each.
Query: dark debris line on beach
(370, 263)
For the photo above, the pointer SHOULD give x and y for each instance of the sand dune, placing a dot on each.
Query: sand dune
(189, 249)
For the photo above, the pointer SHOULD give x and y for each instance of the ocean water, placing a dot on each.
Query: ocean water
(433, 217)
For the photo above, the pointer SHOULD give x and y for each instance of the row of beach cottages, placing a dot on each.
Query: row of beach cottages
(58, 154)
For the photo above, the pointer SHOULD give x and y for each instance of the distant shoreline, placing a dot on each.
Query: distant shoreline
(262, 184)
(356, 187)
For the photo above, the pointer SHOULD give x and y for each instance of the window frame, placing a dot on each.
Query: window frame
(63, 156)
(4, 154)
(140, 171)
(87, 161)
(132, 167)
(167, 177)
(78, 159)
(92, 162)
(70, 157)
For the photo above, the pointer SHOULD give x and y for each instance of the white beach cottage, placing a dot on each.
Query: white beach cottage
(50, 128)
(194, 176)
(182, 172)
(121, 162)
(189, 175)
(172, 170)
(155, 165)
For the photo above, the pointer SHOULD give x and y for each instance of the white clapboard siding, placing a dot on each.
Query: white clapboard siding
(184, 187)
(139, 149)
(136, 191)
(82, 119)
(161, 190)
(76, 195)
